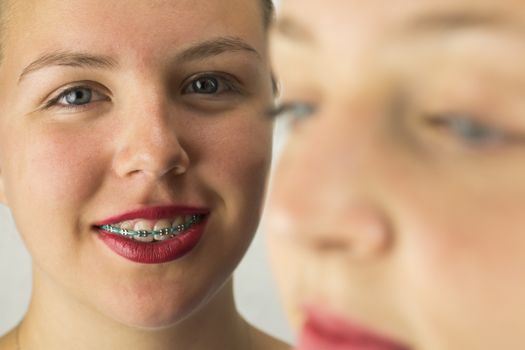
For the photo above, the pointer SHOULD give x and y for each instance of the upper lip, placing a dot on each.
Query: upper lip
(154, 213)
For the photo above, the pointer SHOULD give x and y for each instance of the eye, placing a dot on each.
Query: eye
(470, 131)
(210, 85)
(76, 97)
(296, 110)
(205, 85)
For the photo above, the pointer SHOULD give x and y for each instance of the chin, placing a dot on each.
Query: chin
(150, 312)
(150, 318)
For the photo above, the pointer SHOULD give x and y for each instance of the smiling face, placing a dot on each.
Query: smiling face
(398, 201)
(119, 112)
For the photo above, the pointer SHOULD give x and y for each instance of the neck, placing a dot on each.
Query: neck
(57, 321)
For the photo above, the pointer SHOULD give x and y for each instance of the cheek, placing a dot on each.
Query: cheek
(461, 266)
(59, 167)
(49, 175)
(239, 160)
(49, 180)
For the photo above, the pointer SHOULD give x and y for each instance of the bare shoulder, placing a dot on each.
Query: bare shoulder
(264, 341)
(7, 341)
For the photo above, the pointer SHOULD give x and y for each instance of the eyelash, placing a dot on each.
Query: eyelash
(463, 127)
(297, 110)
(231, 84)
(471, 132)
(55, 101)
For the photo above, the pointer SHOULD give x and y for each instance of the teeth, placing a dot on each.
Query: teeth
(150, 231)
(179, 220)
(161, 237)
(147, 239)
(126, 225)
(161, 224)
(142, 225)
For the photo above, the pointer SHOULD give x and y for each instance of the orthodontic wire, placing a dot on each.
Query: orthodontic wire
(144, 233)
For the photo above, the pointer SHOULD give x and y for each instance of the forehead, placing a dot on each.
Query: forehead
(335, 37)
(376, 19)
(117, 24)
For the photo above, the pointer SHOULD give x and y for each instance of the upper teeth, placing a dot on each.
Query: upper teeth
(148, 230)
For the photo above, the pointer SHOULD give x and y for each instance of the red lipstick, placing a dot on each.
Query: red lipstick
(323, 331)
(153, 213)
(155, 252)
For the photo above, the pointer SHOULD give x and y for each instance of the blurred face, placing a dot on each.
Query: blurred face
(138, 114)
(397, 210)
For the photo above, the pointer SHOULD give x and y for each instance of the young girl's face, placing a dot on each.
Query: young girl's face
(398, 202)
(151, 109)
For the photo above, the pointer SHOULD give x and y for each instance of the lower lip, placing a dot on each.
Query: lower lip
(154, 253)
(325, 332)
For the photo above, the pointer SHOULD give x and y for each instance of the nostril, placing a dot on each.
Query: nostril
(330, 245)
(361, 233)
(149, 159)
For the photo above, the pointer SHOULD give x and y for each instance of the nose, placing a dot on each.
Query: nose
(359, 232)
(148, 143)
(323, 195)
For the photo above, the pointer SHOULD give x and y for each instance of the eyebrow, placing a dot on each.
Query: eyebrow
(215, 47)
(445, 22)
(69, 59)
(199, 51)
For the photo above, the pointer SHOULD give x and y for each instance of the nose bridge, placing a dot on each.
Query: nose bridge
(337, 148)
(323, 190)
(149, 141)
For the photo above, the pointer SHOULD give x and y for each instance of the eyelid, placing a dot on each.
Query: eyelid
(231, 82)
(483, 134)
(95, 87)
(298, 109)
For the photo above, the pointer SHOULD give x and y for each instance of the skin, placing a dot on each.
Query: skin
(146, 138)
(398, 203)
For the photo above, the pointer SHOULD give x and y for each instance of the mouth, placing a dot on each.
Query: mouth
(323, 331)
(153, 235)
(149, 231)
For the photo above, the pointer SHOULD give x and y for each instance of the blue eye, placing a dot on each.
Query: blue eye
(76, 96)
(296, 110)
(470, 131)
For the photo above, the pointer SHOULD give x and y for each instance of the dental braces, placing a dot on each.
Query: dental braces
(195, 219)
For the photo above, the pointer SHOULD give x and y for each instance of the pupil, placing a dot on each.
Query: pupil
(206, 85)
(78, 97)
(472, 131)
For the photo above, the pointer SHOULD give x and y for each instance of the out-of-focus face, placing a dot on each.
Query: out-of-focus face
(398, 202)
(109, 107)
